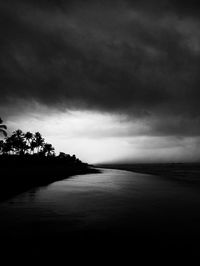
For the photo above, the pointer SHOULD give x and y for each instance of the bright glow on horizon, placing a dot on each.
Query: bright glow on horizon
(99, 138)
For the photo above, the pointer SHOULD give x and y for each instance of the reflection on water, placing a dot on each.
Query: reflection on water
(113, 200)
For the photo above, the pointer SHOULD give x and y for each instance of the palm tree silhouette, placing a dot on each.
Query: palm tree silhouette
(33, 145)
(39, 141)
(1, 146)
(49, 149)
(29, 138)
(3, 128)
(19, 143)
(9, 145)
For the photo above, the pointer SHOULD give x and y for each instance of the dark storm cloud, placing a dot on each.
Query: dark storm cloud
(138, 58)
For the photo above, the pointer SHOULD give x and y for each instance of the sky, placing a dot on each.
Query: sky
(109, 81)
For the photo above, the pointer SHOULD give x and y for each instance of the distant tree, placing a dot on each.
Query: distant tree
(9, 145)
(48, 149)
(1, 146)
(6, 148)
(62, 155)
(39, 141)
(18, 141)
(3, 128)
(29, 138)
(33, 145)
(65, 156)
(73, 157)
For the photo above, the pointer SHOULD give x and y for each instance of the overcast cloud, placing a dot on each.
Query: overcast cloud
(140, 59)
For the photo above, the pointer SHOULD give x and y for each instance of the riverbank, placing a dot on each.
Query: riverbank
(188, 173)
(20, 175)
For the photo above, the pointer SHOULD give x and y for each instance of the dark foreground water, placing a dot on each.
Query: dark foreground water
(112, 204)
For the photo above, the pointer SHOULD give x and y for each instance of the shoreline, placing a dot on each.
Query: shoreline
(17, 179)
(188, 173)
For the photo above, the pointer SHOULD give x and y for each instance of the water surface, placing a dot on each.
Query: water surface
(112, 201)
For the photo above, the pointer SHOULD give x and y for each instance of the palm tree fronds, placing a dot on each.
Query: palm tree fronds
(4, 132)
(3, 126)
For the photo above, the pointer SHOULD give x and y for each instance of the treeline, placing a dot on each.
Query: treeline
(20, 143)
(29, 147)
(27, 161)
(28, 144)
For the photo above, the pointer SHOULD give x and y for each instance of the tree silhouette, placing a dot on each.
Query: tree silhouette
(1, 146)
(29, 138)
(18, 147)
(48, 149)
(33, 144)
(39, 141)
(18, 142)
(9, 145)
(3, 128)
